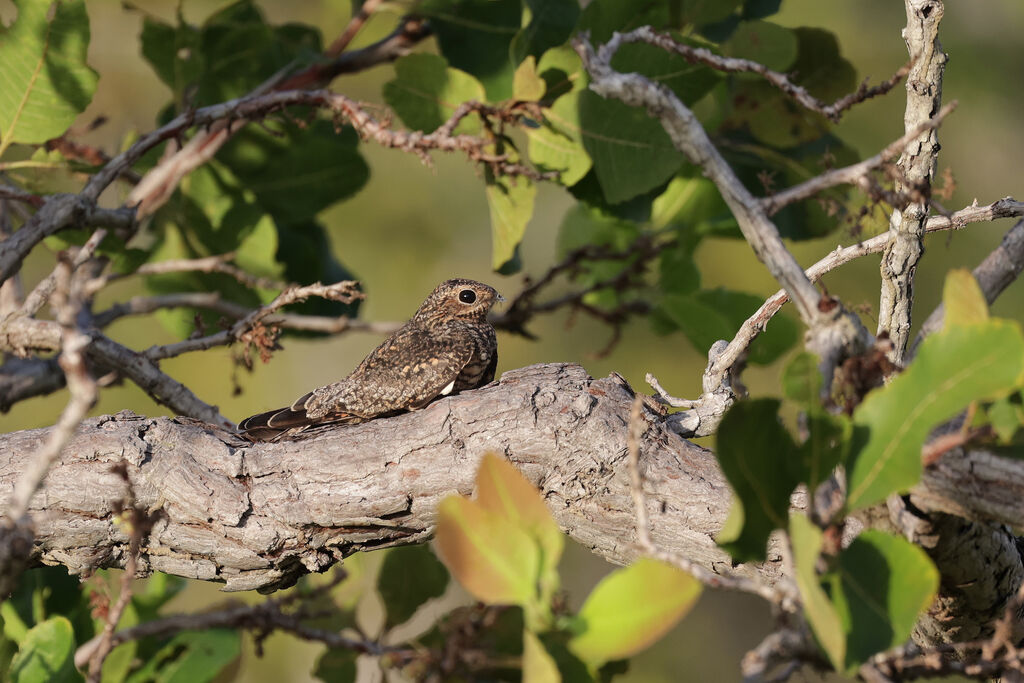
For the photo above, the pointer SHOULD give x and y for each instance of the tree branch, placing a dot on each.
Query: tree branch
(260, 515)
(916, 170)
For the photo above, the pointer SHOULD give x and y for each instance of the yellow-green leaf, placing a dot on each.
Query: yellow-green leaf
(496, 561)
(820, 613)
(527, 85)
(963, 300)
(511, 203)
(538, 665)
(630, 609)
(503, 491)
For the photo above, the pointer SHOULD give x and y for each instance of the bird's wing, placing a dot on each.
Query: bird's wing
(271, 425)
(406, 372)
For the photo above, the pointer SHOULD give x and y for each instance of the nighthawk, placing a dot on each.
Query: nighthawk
(448, 346)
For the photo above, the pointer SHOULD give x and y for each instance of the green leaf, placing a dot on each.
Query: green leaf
(510, 201)
(502, 490)
(551, 22)
(705, 11)
(475, 36)
(496, 561)
(759, 9)
(174, 52)
(552, 151)
(821, 614)
(279, 161)
(801, 379)
(562, 71)
(630, 609)
(759, 459)
(678, 273)
(527, 85)
(827, 444)
(426, 92)
(336, 666)
(538, 665)
(1006, 417)
(880, 585)
(409, 576)
(690, 82)
(45, 81)
(763, 42)
(693, 203)
(257, 253)
(191, 657)
(954, 367)
(631, 151)
(604, 17)
(712, 314)
(46, 654)
(962, 299)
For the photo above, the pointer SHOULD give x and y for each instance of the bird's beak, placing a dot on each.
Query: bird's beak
(499, 298)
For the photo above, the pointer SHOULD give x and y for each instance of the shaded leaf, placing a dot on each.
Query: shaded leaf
(336, 666)
(801, 379)
(551, 22)
(630, 609)
(763, 42)
(45, 80)
(828, 440)
(759, 459)
(1006, 417)
(821, 614)
(409, 576)
(475, 36)
(880, 585)
(953, 367)
(46, 654)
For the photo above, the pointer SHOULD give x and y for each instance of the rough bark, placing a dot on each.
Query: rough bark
(260, 515)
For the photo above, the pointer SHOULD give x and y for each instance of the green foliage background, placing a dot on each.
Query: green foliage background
(411, 227)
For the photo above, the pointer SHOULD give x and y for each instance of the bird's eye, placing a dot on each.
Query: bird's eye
(467, 296)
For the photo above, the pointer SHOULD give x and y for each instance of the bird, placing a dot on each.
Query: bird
(448, 346)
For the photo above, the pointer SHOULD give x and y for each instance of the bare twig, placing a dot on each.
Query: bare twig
(855, 174)
(780, 594)
(41, 293)
(344, 292)
(699, 55)
(207, 264)
(19, 195)
(82, 388)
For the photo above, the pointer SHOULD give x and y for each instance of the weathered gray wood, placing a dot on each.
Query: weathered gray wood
(260, 515)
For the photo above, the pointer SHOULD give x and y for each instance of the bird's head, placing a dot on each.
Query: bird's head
(459, 299)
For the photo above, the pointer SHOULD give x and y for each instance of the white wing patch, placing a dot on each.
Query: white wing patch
(448, 389)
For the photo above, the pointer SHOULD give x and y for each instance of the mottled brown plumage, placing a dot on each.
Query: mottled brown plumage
(448, 346)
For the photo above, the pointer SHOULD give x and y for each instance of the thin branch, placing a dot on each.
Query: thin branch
(1008, 255)
(344, 292)
(42, 292)
(207, 264)
(19, 195)
(699, 55)
(855, 174)
(83, 392)
(778, 595)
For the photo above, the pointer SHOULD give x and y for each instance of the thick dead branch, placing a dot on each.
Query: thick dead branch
(260, 515)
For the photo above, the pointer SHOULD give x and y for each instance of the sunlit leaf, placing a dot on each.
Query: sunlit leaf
(954, 367)
(191, 657)
(962, 299)
(426, 91)
(630, 609)
(502, 490)
(527, 85)
(510, 201)
(45, 82)
(496, 561)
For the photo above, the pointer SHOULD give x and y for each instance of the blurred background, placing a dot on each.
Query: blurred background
(413, 226)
